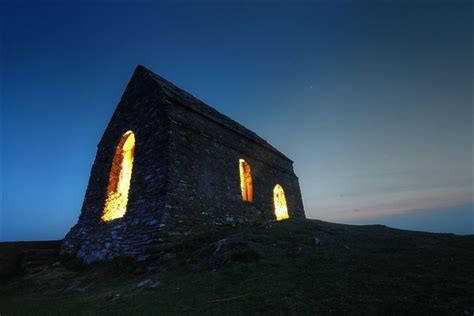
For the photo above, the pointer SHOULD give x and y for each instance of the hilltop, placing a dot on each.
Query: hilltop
(291, 267)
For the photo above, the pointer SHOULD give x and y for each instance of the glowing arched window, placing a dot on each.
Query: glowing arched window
(279, 201)
(119, 178)
(245, 181)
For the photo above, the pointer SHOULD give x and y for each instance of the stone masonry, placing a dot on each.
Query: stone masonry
(185, 175)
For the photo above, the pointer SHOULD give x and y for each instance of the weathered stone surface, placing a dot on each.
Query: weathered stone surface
(185, 175)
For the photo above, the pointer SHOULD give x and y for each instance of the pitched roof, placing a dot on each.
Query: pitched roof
(183, 98)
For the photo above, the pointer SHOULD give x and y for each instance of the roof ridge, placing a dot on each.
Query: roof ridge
(186, 99)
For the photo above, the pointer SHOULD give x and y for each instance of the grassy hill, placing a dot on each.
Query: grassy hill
(295, 267)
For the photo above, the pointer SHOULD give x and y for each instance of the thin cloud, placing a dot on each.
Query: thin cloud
(371, 207)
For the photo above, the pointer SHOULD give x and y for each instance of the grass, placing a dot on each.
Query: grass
(267, 269)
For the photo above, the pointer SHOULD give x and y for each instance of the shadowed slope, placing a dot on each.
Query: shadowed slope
(294, 266)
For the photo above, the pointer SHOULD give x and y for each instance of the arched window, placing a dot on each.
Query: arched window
(279, 201)
(245, 181)
(119, 178)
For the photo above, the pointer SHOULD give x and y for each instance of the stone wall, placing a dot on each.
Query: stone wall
(91, 239)
(204, 181)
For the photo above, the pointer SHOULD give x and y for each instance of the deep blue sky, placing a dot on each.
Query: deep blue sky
(371, 99)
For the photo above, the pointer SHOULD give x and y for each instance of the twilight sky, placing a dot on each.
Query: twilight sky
(371, 99)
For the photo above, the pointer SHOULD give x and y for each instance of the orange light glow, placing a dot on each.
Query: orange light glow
(119, 178)
(245, 181)
(279, 200)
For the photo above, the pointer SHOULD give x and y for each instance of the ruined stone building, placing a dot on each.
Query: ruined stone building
(170, 165)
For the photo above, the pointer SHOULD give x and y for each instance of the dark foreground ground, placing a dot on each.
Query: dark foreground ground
(276, 268)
